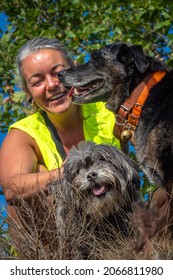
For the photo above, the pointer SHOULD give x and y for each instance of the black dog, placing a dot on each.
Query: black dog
(139, 90)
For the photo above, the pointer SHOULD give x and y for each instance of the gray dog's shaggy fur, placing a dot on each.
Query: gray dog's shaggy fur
(99, 187)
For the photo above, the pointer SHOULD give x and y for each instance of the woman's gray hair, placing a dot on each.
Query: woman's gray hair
(34, 45)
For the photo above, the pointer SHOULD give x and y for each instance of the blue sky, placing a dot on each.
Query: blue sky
(3, 26)
(3, 21)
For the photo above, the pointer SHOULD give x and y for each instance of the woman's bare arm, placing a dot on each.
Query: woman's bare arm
(20, 172)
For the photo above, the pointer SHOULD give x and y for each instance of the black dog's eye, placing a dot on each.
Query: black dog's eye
(98, 62)
(126, 58)
(96, 55)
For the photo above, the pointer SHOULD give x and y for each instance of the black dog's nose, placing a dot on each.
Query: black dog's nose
(60, 74)
(92, 176)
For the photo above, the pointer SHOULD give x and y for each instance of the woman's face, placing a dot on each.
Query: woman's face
(40, 72)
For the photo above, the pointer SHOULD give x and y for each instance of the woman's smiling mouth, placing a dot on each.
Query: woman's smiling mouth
(58, 96)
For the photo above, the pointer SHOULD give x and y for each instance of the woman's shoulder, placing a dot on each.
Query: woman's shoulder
(31, 120)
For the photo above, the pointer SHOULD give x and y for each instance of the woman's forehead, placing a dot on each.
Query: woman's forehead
(43, 61)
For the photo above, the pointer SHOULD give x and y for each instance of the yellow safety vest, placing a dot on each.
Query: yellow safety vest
(98, 125)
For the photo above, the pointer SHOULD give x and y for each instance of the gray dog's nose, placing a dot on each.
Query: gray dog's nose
(92, 176)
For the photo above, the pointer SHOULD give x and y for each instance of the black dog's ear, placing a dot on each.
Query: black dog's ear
(140, 58)
(135, 54)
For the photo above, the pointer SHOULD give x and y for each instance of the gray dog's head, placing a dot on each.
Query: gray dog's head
(100, 178)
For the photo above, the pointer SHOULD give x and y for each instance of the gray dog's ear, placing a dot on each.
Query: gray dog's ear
(135, 54)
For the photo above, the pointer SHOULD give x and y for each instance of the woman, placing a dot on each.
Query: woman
(29, 157)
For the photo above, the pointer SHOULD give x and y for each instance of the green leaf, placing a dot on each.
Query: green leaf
(162, 24)
(19, 97)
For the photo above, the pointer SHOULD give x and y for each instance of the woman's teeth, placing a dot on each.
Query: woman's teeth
(57, 96)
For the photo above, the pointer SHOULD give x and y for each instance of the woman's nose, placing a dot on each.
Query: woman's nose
(52, 82)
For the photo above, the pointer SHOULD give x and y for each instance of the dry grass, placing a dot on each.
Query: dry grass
(39, 236)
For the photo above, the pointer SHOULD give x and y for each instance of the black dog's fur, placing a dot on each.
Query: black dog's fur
(110, 76)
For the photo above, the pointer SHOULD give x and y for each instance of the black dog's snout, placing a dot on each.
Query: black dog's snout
(61, 74)
(92, 176)
(62, 78)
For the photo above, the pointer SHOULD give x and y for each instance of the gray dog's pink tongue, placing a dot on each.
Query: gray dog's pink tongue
(99, 190)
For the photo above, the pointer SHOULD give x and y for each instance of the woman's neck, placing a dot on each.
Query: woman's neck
(69, 126)
(67, 120)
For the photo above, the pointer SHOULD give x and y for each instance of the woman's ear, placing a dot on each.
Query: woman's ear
(28, 96)
(29, 100)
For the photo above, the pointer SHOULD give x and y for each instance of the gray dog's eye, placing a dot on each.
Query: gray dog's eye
(101, 158)
(77, 170)
(87, 161)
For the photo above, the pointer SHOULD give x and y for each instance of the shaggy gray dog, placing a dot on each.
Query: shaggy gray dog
(97, 193)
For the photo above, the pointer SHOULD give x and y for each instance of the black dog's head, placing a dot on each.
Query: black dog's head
(101, 178)
(110, 75)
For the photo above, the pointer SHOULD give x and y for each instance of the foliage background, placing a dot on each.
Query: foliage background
(82, 26)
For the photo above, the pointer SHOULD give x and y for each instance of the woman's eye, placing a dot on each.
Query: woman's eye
(36, 83)
(56, 74)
